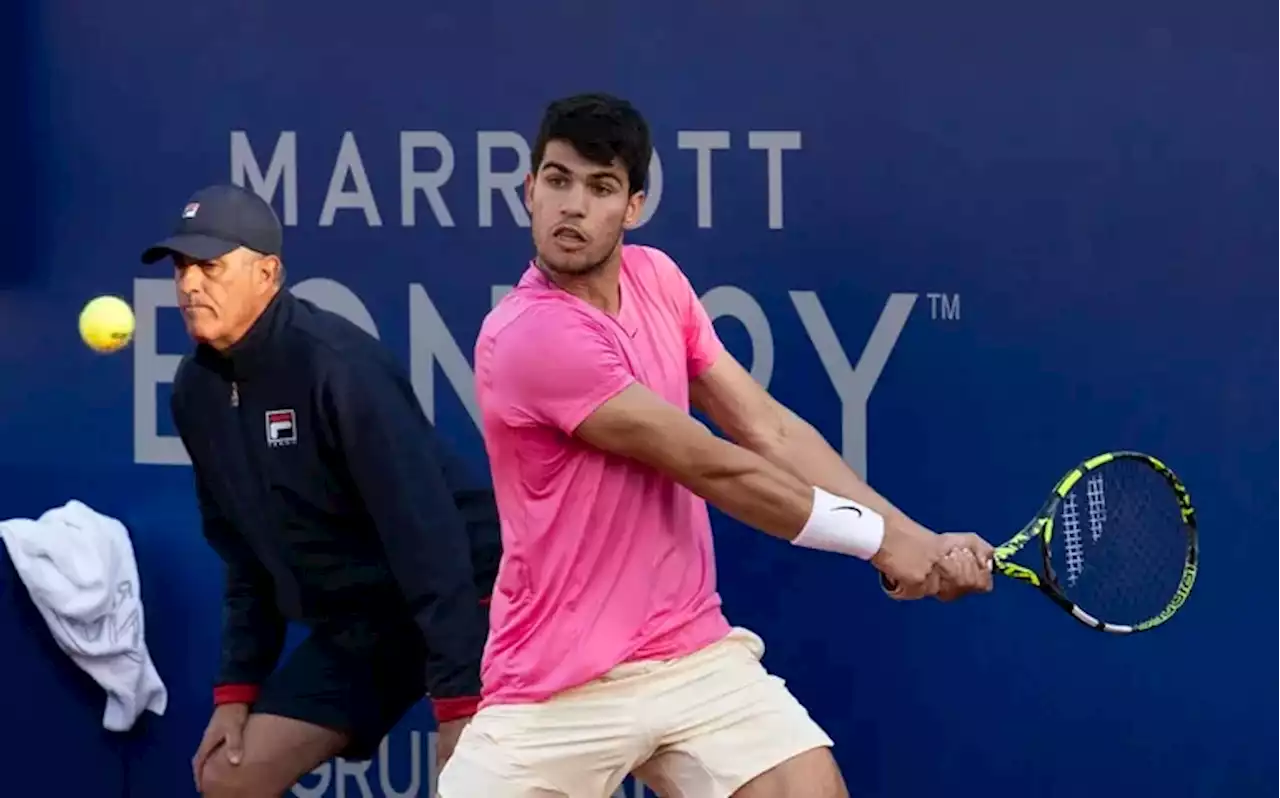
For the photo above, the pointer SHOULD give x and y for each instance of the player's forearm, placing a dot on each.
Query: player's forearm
(802, 451)
(749, 488)
(771, 498)
(745, 485)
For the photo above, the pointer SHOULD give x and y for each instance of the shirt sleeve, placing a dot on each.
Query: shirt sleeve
(702, 344)
(556, 365)
(396, 462)
(253, 629)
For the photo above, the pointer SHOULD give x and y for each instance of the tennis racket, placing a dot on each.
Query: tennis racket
(1118, 544)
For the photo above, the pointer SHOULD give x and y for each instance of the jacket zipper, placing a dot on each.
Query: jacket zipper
(288, 593)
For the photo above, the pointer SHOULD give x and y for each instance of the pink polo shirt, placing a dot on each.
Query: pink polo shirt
(605, 560)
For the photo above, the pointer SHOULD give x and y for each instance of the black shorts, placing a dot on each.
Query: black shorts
(351, 679)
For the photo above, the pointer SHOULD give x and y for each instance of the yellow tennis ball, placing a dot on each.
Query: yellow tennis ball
(106, 324)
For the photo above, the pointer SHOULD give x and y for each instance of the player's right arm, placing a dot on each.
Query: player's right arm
(638, 424)
(588, 391)
(253, 629)
(733, 401)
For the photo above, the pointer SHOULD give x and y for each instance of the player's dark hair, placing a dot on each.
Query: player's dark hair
(601, 128)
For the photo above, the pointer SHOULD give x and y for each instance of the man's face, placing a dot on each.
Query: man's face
(221, 298)
(578, 210)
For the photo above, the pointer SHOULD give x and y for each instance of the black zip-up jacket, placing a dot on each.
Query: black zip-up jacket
(324, 488)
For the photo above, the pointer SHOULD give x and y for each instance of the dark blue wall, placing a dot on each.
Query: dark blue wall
(1096, 182)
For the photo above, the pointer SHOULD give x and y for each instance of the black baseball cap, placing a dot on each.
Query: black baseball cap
(218, 219)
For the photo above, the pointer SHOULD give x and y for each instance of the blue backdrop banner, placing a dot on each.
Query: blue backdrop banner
(973, 244)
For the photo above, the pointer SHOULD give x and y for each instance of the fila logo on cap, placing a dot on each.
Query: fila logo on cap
(282, 428)
(189, 212)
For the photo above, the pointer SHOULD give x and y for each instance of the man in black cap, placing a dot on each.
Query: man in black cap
(323, 487)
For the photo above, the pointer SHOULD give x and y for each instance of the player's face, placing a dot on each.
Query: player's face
(221, 298)
(578, 210)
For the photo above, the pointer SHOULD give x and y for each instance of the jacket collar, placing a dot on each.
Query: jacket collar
(252, 353)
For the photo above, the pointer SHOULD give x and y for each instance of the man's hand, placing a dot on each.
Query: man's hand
(908, 558)
(916, 562)
(225, 729)
(447, 735)
(966, 567)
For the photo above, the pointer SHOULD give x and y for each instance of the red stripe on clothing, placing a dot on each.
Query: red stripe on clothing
(235, 694)
(448, 709)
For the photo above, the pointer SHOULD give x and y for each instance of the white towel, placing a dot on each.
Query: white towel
(78, 566)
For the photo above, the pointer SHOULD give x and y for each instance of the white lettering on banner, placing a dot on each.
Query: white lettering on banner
(774, 143)
(282, 166)
(339, 778)
(854, 385)
(431, 343)
(339, 773)
(703, 142)
(350, 164)
(336, 297)
(508, 184)
(150, 368)
(428, 183)
(729, 300)
(281, 175)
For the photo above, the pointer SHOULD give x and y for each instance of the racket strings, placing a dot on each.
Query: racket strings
(1119, 542)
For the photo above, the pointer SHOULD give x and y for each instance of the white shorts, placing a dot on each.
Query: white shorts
(696, 727)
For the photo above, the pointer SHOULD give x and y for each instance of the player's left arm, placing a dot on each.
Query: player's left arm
(748, 415)
(744, 411)
(390, 450)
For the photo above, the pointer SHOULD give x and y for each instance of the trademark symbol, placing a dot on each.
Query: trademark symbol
(944, 307)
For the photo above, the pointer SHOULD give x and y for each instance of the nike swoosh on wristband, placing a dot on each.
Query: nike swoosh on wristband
(848, 507)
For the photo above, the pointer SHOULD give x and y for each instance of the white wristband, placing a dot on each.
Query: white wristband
(841, 525)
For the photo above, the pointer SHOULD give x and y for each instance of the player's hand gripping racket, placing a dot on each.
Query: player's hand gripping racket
(1118, 547)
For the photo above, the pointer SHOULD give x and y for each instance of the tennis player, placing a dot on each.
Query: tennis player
(608, 650)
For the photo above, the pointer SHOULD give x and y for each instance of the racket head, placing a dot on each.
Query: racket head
(1118, 543)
